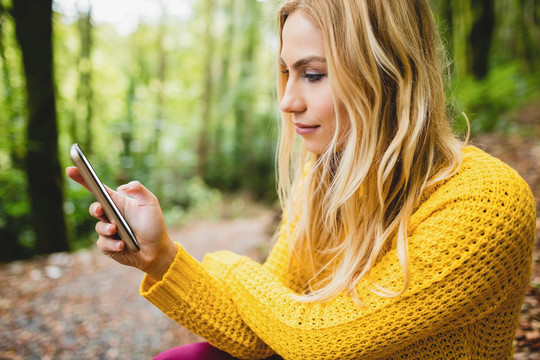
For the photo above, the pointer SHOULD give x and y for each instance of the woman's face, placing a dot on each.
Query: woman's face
(308, 94)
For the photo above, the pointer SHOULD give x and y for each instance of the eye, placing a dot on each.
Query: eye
(313, 77)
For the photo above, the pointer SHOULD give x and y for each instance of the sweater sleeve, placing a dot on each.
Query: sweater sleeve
(470, 247)
(198, 298)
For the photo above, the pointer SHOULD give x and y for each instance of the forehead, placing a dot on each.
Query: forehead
(301, 38)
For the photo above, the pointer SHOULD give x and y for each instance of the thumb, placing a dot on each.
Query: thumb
(137, 191)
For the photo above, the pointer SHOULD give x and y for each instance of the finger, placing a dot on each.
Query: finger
(96, 210)
(108, 245)
(104, 228)
(140, 193)
(75, 174)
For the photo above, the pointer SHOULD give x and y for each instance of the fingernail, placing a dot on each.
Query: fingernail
(110, 228)
(119, 246)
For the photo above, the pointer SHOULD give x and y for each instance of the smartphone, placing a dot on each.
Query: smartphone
(109, 207)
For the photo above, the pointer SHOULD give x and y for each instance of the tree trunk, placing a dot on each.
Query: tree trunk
(219, 159)
(244, 100)
(160, 96)
(125, 173)
(206, 119)
(530, 29)
(33, 20)
(85, 93)
(480, 37)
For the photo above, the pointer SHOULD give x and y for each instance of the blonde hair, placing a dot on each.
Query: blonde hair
(344, 207)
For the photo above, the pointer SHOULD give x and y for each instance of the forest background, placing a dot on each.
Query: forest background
(182, 99)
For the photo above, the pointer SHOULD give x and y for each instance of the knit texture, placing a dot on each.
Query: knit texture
(470, 247)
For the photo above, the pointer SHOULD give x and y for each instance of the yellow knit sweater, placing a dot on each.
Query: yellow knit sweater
(470, 249)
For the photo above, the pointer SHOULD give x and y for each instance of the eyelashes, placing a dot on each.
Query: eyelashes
(311, 77)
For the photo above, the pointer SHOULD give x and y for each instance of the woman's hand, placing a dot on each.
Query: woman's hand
(142, 211)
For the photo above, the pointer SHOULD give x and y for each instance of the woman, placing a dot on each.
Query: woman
(397, 242)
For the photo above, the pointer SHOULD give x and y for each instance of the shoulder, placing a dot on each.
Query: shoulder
(484, 193)
(485, 178)
(478, 162)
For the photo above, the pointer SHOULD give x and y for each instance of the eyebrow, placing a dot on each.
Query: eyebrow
(304, 61)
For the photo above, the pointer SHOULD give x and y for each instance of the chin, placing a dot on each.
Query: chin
(315, 148)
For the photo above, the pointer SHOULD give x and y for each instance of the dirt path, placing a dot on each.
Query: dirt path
(85, 306)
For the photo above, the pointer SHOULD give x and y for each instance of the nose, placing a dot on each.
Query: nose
(292, 99)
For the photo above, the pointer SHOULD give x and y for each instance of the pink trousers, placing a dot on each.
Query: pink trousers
(199, 351)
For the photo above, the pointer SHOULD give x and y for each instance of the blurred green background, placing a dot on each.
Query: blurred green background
(180, 96)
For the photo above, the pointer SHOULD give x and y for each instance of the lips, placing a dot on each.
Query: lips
(302, 129)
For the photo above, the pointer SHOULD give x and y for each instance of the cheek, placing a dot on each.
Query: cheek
(323, 102)
(325, 108)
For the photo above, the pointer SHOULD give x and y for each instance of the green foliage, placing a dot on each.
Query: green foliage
(490, 103)
(16, 235)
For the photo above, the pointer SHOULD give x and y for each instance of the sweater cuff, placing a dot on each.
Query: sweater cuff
(177, 280)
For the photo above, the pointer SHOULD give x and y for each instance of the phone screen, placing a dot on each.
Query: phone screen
(100, 192)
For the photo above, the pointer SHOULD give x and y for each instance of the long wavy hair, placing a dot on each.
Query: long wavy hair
(345, 207)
